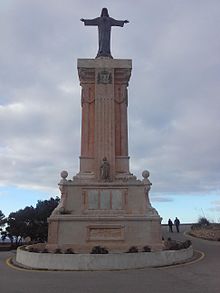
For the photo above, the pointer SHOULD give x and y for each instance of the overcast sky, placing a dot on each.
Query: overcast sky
(174, 102)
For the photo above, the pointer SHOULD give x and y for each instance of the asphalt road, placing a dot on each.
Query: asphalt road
(199, 277)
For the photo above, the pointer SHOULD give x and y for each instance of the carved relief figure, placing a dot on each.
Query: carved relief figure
(61, 206)
(105, 169)
(147, 184)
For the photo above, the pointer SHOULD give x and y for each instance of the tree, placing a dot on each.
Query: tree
(31, 222)
(3, 235)
(18, 224)
(43, 211)
(2, 219)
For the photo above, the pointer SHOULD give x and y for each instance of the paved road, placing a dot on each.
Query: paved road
(199, 277)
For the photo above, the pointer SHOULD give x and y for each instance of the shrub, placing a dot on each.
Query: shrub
(203, 221)
(186, 244)
(99, 250)
(132, 249)
(146, 248)
(58, 251)
(171, 244)
(33, 249)
(175, 245)
(44, 251)
(69, 251)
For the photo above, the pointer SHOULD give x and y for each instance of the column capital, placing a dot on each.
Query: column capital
(104, 63)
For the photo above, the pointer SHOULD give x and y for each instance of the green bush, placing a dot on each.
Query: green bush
(33, 249)
(69, 251)
(99, 250)
(176, 245)
(186, 244)
(132, 249)
(146, 249)
(203, 221)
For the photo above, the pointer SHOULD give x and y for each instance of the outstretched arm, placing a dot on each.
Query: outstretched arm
(90, 21)
(115, 22)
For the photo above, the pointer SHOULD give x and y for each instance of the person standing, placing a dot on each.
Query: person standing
(170, 224)
(177, 224)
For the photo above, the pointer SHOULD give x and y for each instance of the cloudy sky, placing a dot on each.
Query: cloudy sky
(174, 103)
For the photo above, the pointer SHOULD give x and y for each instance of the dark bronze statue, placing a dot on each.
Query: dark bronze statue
(104, 23)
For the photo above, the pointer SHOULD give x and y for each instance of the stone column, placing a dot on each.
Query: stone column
(87, 78)
(122, 76)
(104, 84)
(104, 119)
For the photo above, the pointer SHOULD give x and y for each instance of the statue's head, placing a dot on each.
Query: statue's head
(104, 12)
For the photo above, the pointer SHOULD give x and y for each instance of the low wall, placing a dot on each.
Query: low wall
(5, 247)
(112, 261)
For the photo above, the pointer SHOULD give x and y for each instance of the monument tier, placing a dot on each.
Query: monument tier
(104, 204)
(104, 102)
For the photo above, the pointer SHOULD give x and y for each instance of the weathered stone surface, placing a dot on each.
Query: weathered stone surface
(116, 261)
(104, 116)
(112, 203)
(104, 204)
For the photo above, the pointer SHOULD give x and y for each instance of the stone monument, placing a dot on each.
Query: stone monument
(104, 204)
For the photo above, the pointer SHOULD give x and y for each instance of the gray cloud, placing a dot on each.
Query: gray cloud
(173, 94)
(215, 206)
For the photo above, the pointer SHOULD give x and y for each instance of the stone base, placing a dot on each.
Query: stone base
(114, 215)
(117, 261)
(117, 234)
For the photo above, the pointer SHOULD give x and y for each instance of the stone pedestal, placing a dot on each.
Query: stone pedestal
(104, 204)
(116, 215)
(104, 102)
